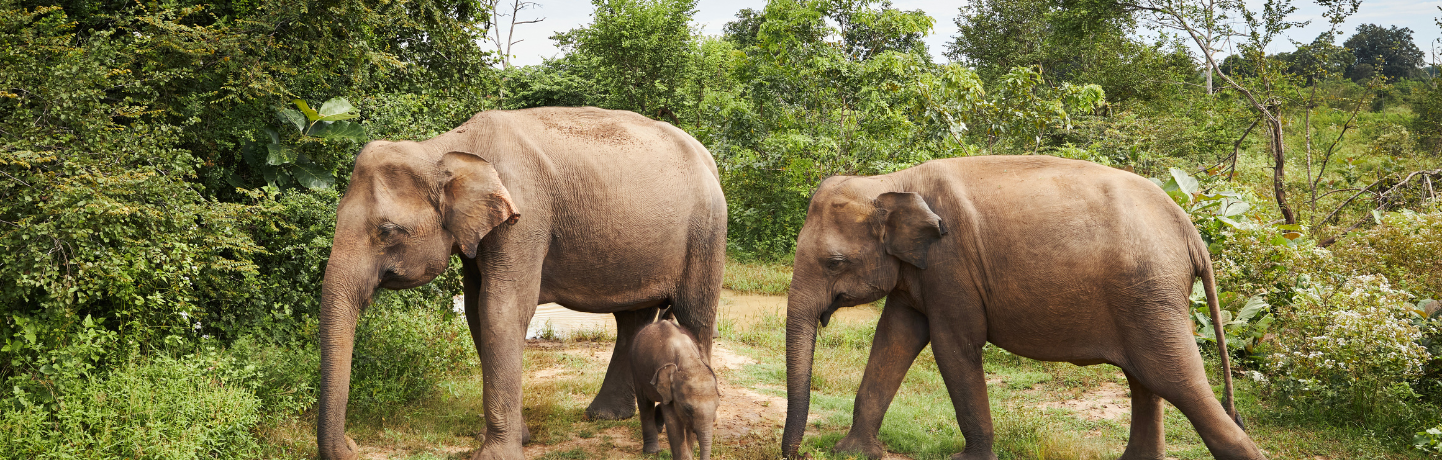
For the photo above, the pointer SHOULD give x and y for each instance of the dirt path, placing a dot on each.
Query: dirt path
(745, 414)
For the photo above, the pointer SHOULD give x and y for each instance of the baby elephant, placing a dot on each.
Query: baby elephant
(668, 369)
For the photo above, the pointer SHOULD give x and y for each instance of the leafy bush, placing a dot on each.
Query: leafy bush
(163, 408)
(1429, 441)
(283, 376)
(405, 343)
(1352, 348)
(1405, 247)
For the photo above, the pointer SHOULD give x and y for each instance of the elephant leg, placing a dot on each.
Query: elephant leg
(958, 351)
(649, 413)
(617, 395)
(698, 295)
(675, 433)
(505, 286)
(901, 334)
(1147, 441)
(1172, 369)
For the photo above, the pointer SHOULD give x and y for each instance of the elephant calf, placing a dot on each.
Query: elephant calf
(667, 356)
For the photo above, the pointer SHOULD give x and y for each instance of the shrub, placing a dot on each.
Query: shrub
(405, 343)
(161, 408)
(1351, 348)
(1405, 247)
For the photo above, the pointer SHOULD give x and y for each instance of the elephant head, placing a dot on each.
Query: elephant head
(857, 235)
(692, 393)
(407, 209)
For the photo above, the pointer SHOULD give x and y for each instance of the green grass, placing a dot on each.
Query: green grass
(757, 277)
(920, 424)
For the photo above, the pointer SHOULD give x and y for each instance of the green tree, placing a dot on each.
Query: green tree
(1068, 40)
(1320, 59)
(642, 53)
(1388, 51)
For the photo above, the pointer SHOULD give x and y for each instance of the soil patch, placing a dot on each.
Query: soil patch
(1108, 401)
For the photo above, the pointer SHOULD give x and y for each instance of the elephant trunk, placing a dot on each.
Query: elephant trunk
(801, 320)
(703, 437)
(344, 292)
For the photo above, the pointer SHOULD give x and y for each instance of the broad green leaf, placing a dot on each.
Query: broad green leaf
(1185, 182)
(1254, 305)
(314, 176)
(234, 180)
(274, 136)
(344, 130)
(292, 117)
(279, 154)
(272, 174)
(250, 152)
(1234, 208)
(338, 108)
(304, 108)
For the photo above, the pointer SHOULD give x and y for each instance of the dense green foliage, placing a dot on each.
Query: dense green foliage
(169, 173)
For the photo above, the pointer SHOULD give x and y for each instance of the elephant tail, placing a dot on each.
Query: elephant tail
(1202, 266)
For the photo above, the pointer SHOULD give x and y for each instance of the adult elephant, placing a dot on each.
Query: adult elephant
(1051, 259)
(600, 211)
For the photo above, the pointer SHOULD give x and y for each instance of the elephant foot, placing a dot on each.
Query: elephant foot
(490, 451)
(611, 410)
(871, 448)
(525, 435)
(1137, 451)
(651, 448)
(975, 456)
(349, 452)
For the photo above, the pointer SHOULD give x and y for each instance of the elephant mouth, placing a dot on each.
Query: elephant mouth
(836, 304)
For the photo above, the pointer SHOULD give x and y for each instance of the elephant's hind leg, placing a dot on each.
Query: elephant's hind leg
(617, 398)
(1147, 441)
(1173, 370)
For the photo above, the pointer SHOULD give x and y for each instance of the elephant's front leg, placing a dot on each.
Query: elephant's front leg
(617, 398)
(958, 351)
(901, 334)
(503, 306)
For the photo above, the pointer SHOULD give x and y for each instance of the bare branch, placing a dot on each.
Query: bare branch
(1384, 202)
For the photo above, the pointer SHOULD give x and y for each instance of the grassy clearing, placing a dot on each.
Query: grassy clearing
(757, 277)
(1029, 409)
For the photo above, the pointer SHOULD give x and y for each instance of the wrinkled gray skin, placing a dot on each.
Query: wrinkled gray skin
(600, 211)
(1051, 259)
(675, 384)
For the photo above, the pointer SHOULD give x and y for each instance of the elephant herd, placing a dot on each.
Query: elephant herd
(610, 212)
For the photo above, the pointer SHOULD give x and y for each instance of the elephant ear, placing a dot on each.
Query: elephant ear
(474, 200)
(909, 226)
(662, 382)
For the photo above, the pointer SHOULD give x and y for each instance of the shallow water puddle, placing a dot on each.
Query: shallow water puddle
(738, 307)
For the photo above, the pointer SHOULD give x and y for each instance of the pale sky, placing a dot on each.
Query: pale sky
(711, 15)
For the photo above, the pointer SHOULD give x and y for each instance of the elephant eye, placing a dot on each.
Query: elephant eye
(389, 229)
(835, 263)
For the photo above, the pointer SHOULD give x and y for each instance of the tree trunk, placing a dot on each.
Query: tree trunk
(1279, 159)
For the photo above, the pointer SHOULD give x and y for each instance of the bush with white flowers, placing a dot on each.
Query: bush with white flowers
(1353, 345)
